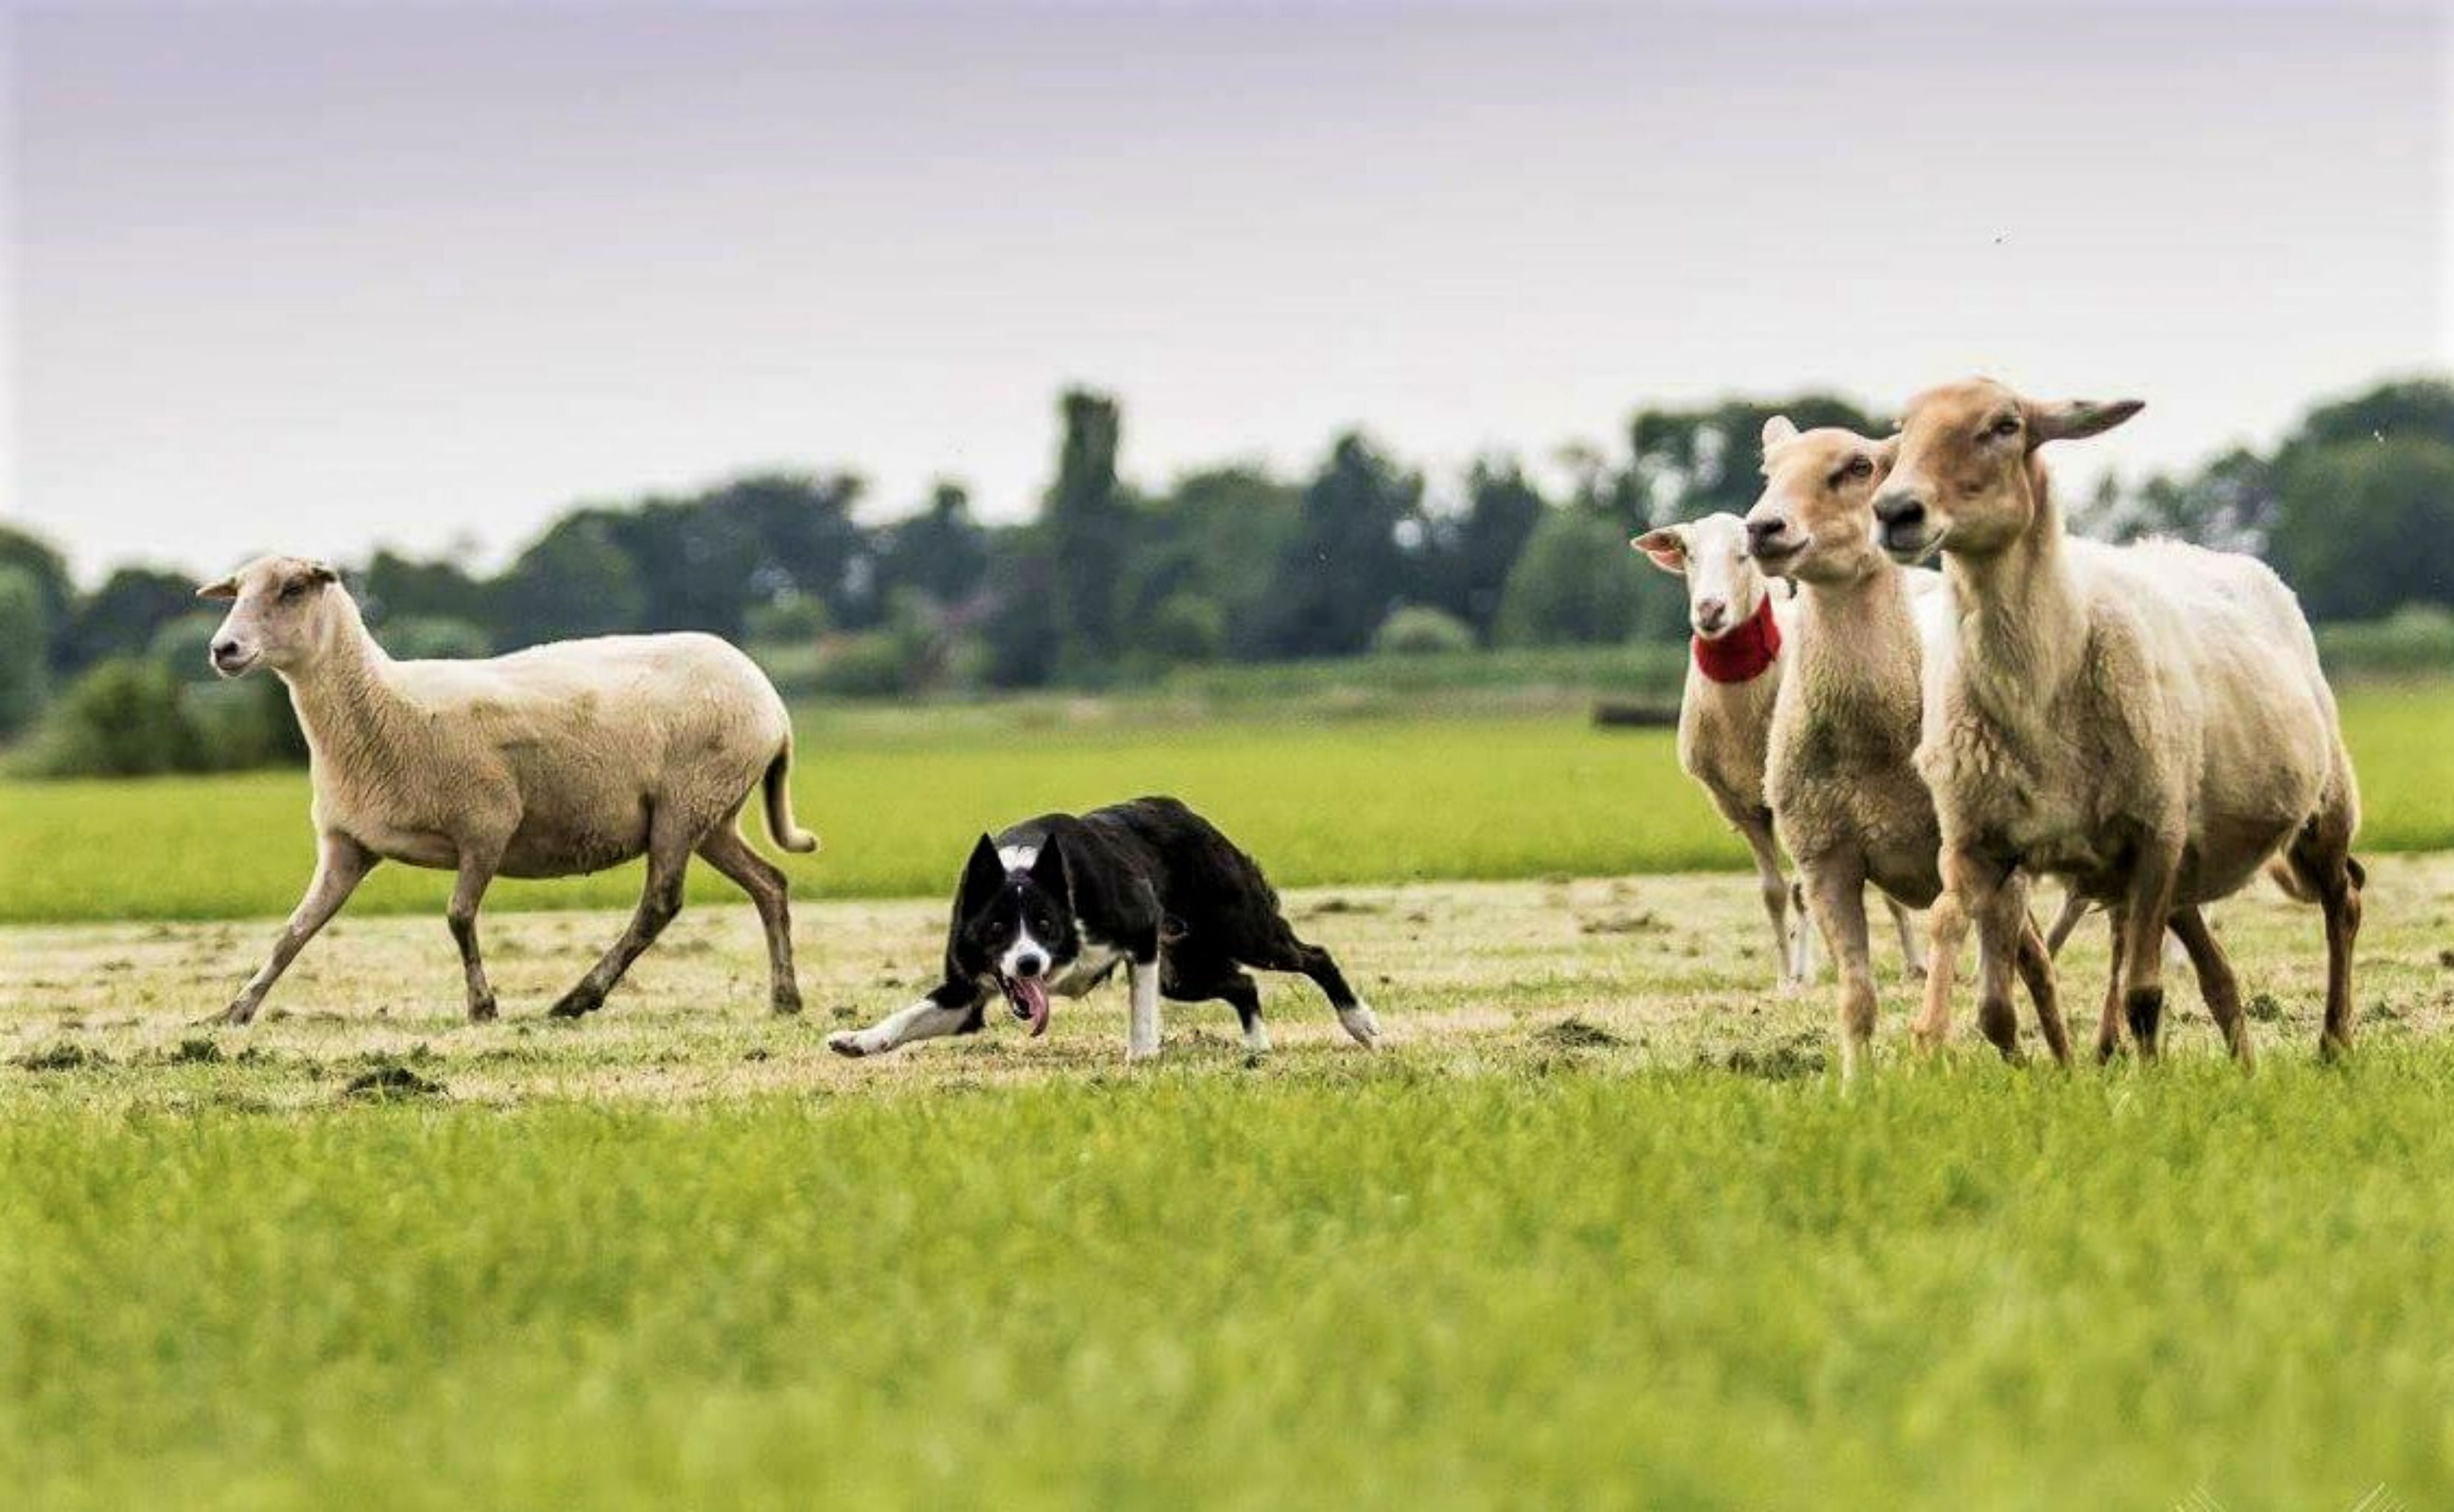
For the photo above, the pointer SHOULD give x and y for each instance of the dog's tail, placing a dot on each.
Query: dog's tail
(779, 805)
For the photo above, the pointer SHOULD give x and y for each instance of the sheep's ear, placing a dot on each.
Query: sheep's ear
(223, 588)
(322, 573)
(1667, 546)
(2074, 419)
(1778, 430)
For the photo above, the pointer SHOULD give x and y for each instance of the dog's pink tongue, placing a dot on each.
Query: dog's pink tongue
(1036, 998)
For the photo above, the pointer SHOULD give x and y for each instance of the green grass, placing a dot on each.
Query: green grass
(1359, 1286)
(897, 795)
(1597, 1228)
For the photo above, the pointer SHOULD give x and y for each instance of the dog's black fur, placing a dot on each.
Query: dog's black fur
(1132, 877)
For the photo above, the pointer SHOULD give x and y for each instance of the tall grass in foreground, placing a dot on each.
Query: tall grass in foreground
(900, 795)
(1354, 1283)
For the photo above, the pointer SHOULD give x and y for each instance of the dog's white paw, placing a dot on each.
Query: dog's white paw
(1359, 1022)
(1139, 1053)
(850, 1042)
(1257, 1039)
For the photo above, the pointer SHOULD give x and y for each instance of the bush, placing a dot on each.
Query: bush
(2416, 638)
(25, 650)
(433, 637)
(1185, 628)
(1416, 630)
(873, 665)
(1575, 584)
(124, 717)
(245, 724)
(182, 644)
(790, 622)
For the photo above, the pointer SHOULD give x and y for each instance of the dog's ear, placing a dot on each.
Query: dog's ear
(1048, 870)
(984, 873)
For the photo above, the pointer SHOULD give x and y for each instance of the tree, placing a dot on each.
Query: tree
(121, 617)
(1684, 463)
(24, 649)
(1472, 553)
(2360, 526)
(1087, 528)
(53, 589)
(574, 581)
(1576, 583)
(1220, 535)
(395, 586)
(1345, 570)
(942, 551)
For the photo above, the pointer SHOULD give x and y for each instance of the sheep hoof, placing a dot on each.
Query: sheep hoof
(574, 1003)
(482, 1011)
(239, 1013)
(788, 1003)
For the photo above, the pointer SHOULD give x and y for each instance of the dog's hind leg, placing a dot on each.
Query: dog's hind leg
(1284, 952)
(1183, 980)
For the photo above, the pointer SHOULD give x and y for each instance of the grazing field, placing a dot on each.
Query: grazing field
(900, 795)
(1598, 1228)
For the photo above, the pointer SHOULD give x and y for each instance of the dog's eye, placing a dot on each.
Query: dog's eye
(2006, 426)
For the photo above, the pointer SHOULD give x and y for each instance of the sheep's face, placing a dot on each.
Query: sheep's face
(1723, 587)
(1967, 479)
(1813, 521)
(284, 611)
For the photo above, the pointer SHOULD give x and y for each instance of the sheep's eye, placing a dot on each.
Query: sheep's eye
(293, 591)
(1860, 467)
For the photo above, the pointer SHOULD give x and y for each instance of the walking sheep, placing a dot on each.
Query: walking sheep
(1746, 632)
(553, 761)
(1845, 797)
(2148, 721)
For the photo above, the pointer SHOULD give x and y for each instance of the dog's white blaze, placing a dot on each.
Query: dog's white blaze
(1018, 856)
(1024, 945)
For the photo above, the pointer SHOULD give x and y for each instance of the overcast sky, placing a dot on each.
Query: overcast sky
(319, 279)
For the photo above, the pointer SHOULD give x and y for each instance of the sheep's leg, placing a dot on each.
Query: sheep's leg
(2321, 857)
(1996, 901)
(658, 904)
(468, 891)
(2037, 973)
(2146, 911)
(1836, 895)
(1802, 928)
(2108, 1025)
(1788, 971)
(1912, 962)
(2074, 909)
(341, 864)
(1947, 926)
(770, 893)
(2217, 983)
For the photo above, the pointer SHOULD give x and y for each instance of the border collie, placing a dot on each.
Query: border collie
(1055, 903)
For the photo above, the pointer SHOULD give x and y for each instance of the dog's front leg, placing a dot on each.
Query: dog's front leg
(1142, 1033)
(952, 1009)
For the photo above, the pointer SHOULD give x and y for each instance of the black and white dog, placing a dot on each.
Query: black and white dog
(1053, 904)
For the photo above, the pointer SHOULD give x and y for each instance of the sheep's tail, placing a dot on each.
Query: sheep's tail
(779, 805)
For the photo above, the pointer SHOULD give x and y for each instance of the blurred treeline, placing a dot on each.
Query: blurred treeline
(1111, 584)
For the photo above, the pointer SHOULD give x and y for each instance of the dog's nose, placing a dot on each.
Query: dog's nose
(1029, 966)
(1763, 532)
(1711, 614)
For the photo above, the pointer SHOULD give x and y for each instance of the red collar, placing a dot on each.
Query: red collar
(1744, 653)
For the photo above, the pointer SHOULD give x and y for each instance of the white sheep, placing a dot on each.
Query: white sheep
(1745, 629)
(2146, 722)
(1847, 800)
(553, 761)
